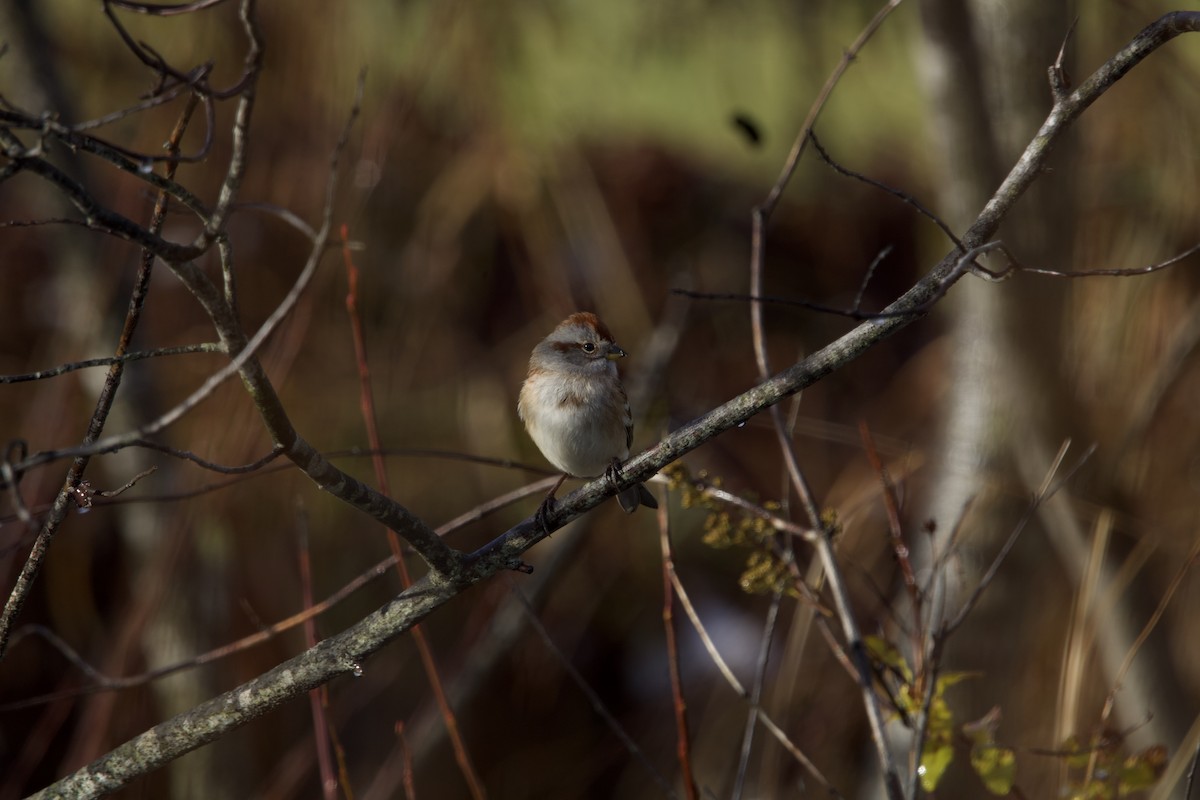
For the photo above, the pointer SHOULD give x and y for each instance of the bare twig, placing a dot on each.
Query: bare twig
(165, 9)
(243, 362)
(107, 683)
(158, 64)
(317, 698)
(410, 792)
(755, 698)
(11, 479)
(1191, 775)
(594, 699)
(108, 361)
(902, 196)
(367, 403)
(33, 563)
(899, 548)
(870, 273)
(686, 603)
(83, 492)
(1048, 489)
(1149, 627)
(683, 747)
(822, 541)
(862, 664)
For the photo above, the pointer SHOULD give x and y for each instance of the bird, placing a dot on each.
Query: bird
(576, 410)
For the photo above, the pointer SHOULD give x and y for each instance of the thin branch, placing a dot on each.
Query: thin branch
(141, 286)
(156, 62)
(862, 663)
(370, 421)
(761, 215)
(97, 217)
(410, 792)
(898, 309)
(1120, 272)
(760, 672)
(139, 165)
(929, 677)
(241, 122)
(165, 9)
(594, 699)
(683, 748)
(1047, 490)
(317, 698)
(155, 100)
(1149, 627)
(83, 492)
(870, 273)
(686, 603)
(1191, 775)
(108, 361)
(899, 548)
(10, 479)
(47, 126)
(265, 634)
(257, 467)
(210, 385)
(435, 552)
(765, 210)
(904, 197)
(187, 455)
(709, 645)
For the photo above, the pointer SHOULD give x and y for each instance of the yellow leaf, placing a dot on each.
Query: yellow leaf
(886, 653)
(948, 679)
(934, 761)
(996, 767)
(1142, 770)
(1077, 755)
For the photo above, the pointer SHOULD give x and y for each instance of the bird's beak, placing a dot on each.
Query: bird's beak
(614, 352)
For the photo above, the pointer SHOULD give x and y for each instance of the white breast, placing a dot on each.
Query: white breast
(574, 423)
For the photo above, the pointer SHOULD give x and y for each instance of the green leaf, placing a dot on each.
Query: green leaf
(886, 653)
(996, 767)
(1142, 770)
(947, 679)
(935, 759)
(1077, 755)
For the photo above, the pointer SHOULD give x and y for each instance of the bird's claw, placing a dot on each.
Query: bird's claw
(544, 510)
(613, 473)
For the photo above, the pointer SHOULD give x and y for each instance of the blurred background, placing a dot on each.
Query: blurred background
(515, 162)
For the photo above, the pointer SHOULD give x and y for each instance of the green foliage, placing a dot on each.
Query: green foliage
(764, 574)
(1098, 771)
(996, 766)
(728, 526)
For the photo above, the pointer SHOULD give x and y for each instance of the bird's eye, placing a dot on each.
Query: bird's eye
(588, 347)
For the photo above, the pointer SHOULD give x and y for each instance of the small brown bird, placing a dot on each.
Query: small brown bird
(575, 409)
